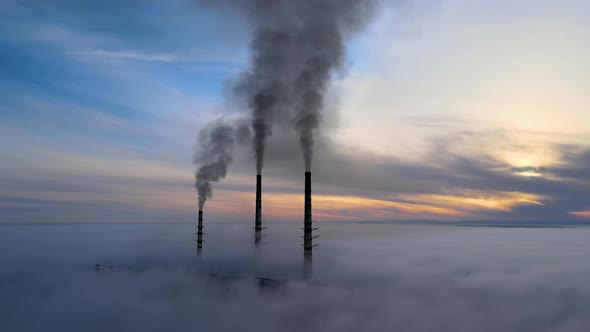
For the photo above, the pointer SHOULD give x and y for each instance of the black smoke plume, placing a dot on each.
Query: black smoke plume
(214, 154)
(296, 48)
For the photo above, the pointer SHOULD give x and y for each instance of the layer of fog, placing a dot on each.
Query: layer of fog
(365, 278)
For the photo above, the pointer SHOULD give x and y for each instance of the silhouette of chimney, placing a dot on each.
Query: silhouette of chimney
(258, 220)
(200, 233)
(307, 222)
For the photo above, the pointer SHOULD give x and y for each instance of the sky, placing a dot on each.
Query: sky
(446, 110)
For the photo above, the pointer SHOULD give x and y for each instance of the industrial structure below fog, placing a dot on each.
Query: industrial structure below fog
(258, 217)
(200, 233)
(308, 228)
(307, 219)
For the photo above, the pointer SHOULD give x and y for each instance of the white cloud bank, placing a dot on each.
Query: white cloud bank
(387, 278)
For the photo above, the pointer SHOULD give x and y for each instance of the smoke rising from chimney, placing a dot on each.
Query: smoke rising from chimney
(296, 48)
(214, 154)
(324, 53)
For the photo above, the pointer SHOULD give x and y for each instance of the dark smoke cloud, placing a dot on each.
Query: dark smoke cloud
(296, 47)
(214, 154)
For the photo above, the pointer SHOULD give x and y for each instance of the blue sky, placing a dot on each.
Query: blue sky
(448, 110)
(95, 84)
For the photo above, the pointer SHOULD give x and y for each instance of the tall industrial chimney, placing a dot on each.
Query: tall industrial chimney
(200, 233)
(307, 229)
(307, 222)
(258, 220)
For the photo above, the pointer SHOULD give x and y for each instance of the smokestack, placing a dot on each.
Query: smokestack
(307, 229)
(307, 222)
(258, 220)
(200, 233)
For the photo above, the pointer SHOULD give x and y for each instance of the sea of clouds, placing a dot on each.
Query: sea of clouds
(377, 277)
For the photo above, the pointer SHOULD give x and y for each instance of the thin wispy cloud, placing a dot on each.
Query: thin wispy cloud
(100, 54)
(130, 55)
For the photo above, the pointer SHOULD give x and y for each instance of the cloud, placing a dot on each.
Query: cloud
(348, 184)
(366, 278)
(470, 61)
(476, 201)
(451, 175)
(581, 214)
(132, 55)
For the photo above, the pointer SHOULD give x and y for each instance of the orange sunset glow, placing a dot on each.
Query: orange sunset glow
(480, 201)
(286, 206)
(581, 214)
(279, 206)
